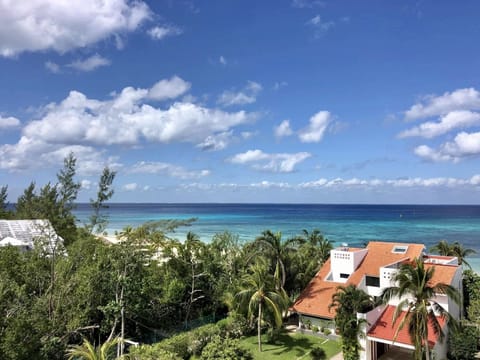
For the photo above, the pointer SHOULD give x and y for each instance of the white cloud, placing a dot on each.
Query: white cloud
(52, 67)
(464, 145)
(144, 167)
(461, 99)
(8, 122)
(216, 142)
(320, 25)
(315, 131)
(38, 25)
(86, 184)
(222, 60)
(169, 88)
(447, 123)
(247, 95)
(281, 162)
(416, 182)
(89, 64)
(126, 119)
(283, 129)
(130, 187)
(161, 32)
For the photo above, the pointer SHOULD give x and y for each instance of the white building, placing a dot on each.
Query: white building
(372, 270)
(23, 234)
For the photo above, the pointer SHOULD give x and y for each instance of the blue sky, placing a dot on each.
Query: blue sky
(244, 101)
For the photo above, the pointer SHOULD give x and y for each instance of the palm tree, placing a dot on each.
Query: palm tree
(87, 351)
(455, 249)
(272, 242)
(416, 292)
(348, 301)
(321, 243)
(259, 295)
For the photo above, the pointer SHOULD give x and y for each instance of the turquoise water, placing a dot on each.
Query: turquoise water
(352, 224)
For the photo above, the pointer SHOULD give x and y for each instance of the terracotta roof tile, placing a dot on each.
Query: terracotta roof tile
(385, 329)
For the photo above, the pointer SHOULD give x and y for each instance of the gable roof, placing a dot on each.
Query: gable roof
(385, 329)
(317, 296)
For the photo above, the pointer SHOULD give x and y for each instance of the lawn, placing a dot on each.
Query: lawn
(289, 346)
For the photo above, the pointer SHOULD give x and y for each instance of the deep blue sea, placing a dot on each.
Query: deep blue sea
(352, 224)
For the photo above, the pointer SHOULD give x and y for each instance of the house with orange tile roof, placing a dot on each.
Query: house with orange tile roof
(372, 269)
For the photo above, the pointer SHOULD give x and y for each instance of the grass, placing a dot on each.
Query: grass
(289, 346)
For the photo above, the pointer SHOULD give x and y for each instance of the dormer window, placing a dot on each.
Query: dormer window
(400, 249)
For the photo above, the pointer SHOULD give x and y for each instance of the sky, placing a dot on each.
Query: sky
(281, 101)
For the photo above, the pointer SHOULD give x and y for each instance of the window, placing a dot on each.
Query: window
(400, 249)
(372, 281)
(344, 276)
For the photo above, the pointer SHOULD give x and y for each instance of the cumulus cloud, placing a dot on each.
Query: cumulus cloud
(464, 145)
(447, 123)
(161, 32)
(9, 122)
(89, 64)
(39, 25)
(169, 88)
(216, 142)
(222, 60)
(456, 110)
(86, 184)
(282, 162)
(315, 131)
(283, 129)
(461, 99)
(125, 119)
(247, 95)
(171, 170)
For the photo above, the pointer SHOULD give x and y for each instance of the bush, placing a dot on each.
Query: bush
(317, 353)
(200, 337)
(234, 326)
(148, 352)
(462, 344)
(315, 329)
(327, 331)
(225, 349)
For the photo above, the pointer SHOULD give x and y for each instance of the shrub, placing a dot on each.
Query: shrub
(149, 352)
(317, 353)
(225, 349)
(462, 343)
(327, 331)
(315, 329)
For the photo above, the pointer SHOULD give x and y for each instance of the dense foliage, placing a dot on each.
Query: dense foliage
(145, 288)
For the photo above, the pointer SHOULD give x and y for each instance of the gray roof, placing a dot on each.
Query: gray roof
(26, 231)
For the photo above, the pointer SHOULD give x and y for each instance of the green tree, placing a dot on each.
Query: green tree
(4, 212)
(87, 351)
(98, 220)
(456, 249)
(260, 296)
(463, 342)
(272, 244)
(348, 301)
(416, 291)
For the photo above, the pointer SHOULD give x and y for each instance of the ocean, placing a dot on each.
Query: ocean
(354, 225)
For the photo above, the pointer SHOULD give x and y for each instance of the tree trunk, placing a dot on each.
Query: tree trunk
(259, 326)
(427, 349)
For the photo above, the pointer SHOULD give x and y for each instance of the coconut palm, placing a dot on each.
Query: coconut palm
(259, 296)
(348, 301)
(87, 351)
(416, 293)
(272, 242)
(456, 249)
(322, 245)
